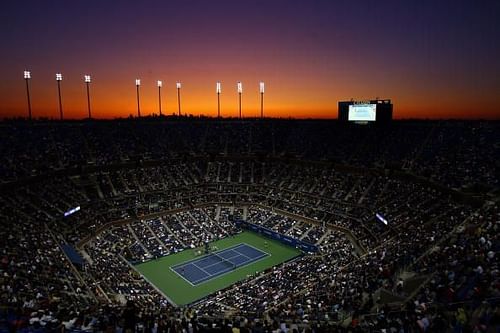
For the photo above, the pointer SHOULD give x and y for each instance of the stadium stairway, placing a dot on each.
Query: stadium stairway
(144, 222)
(165, 224)
(325, 235)
(412, 283)
(86, 256)
(217, 213)
(304, 235)
(185, 228)
(138, 241)
(198, 223)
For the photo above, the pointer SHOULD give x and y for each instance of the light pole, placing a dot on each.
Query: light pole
(178, 85)
(261, 86)
(240, 91)
(159, 95)
(137, 84)
(86, 78)
(218, 90)
(27, 77)
(59, 79)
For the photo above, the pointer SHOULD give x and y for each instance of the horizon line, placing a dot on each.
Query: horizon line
(224, 118)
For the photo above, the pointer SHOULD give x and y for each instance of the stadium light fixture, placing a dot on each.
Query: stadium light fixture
(59, 79)
(160, 84)
(381, 218)
(137, 84)
(87, 79)
(261, 88)
(178, 85)
(27, 77)
(218, 90)
(240, 91)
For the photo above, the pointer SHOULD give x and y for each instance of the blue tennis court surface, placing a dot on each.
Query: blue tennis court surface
(217, 263)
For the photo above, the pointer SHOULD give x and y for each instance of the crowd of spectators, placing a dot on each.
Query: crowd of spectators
(147, 190)
(454, 153)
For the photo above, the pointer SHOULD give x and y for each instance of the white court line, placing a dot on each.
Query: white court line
(223, 272)
(264, 254)
(253, 247)
(205, 256)
(183, 266)
(234, 248)
(218, 262)
(232, 270)
(244, 255)
(201, 269)
(219, 273)
(192, 263)
(173, 270)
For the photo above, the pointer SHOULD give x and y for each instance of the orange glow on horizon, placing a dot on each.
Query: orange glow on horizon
(287, 95)
(310, 54)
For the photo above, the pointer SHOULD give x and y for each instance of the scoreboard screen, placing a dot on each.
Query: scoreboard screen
(362, 112)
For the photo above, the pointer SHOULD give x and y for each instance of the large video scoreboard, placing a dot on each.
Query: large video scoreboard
(379, 110)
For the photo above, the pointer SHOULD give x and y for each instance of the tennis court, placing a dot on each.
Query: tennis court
(217, 263)
(180, 291)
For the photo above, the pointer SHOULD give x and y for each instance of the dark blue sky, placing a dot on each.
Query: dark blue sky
(433, 58)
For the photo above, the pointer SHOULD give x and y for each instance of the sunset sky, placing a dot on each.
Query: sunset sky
(436, 59)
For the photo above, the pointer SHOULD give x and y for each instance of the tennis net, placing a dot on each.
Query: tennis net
(224, 260)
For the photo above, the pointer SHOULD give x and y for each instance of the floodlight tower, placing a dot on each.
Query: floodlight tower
(218, 90)
(178, 85)
(240, 91)
(159, 95)
(261, 86)
(86, 78)
(59, 79)
(137, 85)
(27, 77)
